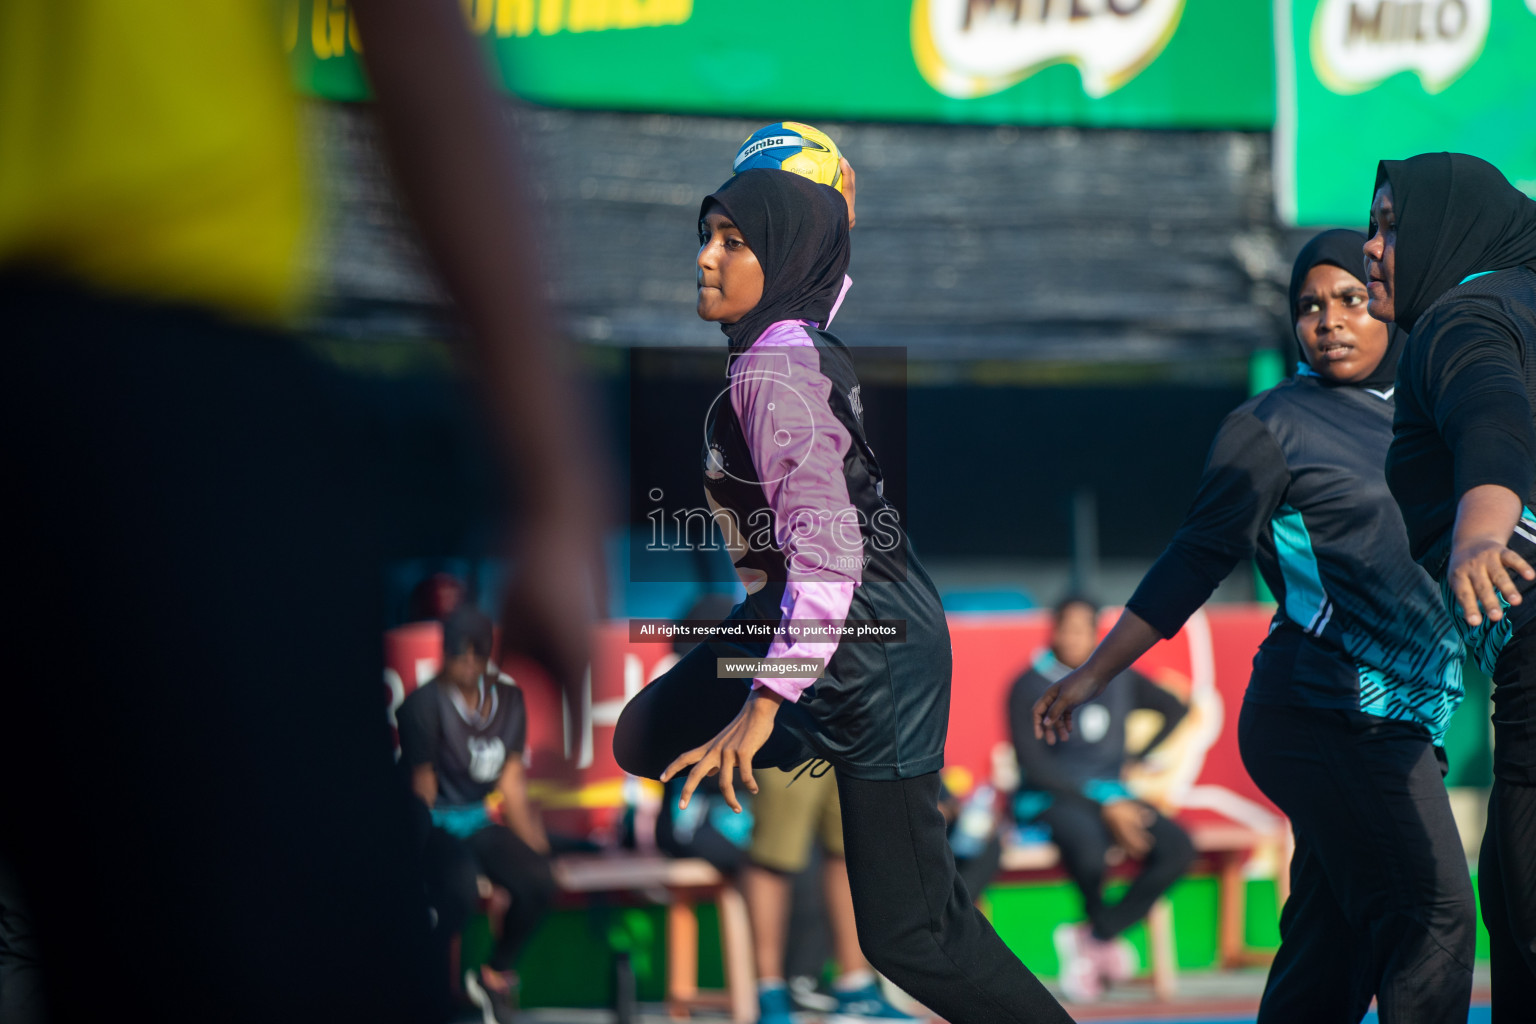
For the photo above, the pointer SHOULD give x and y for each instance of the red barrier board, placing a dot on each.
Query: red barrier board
(1198, 769)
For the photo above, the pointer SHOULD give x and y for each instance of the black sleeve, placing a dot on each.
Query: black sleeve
(419, 728)
(515, 730)
(1477, 393)
(1152, 697)
(1245, 480)
(1037, 768)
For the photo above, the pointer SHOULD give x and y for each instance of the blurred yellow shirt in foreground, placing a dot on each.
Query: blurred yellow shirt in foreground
(152, 148)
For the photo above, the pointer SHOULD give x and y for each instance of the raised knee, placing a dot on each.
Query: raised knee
(631, 749)
(894, 953)
(628, 749)
(881, 959)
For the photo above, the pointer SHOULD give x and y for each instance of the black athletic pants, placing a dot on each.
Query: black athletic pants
(1381, 900)
(453, 865)
(1506, 873)
(917, 924)
(1078, 830)
(977, 872)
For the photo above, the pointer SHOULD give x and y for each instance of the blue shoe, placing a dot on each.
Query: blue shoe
(859, 1005)
(773, 1006)
(808, 997)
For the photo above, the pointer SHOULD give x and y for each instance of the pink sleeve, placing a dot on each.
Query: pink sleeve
(781, 399)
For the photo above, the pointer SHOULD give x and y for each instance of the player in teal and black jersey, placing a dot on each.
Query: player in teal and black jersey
(1346, 710)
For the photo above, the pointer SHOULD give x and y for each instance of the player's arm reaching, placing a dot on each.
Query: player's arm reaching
(1245, 480)
(1477, 391)
(1481, 558)
(454, 159)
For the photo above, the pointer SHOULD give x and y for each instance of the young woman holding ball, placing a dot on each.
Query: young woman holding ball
(785, 447)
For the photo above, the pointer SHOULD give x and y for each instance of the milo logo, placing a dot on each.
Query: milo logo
(968, 48)
(1358, 43)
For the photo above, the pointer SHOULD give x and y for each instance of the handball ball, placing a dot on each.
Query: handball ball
(792, 146)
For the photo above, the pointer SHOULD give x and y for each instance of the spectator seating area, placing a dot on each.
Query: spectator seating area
(1199, 779)
(1224, 849)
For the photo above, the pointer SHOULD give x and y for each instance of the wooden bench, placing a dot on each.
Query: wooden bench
(1225, 848)
(681, 885)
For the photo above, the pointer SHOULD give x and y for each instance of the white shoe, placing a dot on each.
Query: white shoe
(1079, 978)
(1115, 958)
(495, 1007)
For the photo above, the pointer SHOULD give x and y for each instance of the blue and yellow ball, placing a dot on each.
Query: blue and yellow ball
(792, 146)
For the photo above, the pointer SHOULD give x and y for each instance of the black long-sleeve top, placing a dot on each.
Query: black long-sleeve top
(1294, 480)
(1466, 406)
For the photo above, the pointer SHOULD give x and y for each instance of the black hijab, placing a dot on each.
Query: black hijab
(1456, 215)
(798, 230)
(1344, 249)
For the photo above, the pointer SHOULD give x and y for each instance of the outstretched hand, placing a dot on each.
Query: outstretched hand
(1479, 573)
(1053, 711)
(732, 750)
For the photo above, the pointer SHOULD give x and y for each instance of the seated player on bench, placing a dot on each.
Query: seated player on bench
(1074, 788)
(461, 739)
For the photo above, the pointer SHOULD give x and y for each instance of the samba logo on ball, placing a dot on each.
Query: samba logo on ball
(792, 146)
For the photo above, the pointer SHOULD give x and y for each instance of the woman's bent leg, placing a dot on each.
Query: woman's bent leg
(685, 708)
(917, 924)
(1171, 854)
(1081, 837)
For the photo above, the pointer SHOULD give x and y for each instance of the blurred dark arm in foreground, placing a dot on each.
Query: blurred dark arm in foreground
(457, 167)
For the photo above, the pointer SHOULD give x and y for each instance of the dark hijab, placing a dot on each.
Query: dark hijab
(1456, 215)
(798, 230)
(1343, 248)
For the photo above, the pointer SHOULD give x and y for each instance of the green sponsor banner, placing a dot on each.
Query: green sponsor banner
(1124, 63)
(1368, 80)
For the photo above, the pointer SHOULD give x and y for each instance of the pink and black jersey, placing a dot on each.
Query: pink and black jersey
(798, 493)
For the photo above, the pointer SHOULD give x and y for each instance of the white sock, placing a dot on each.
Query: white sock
(854, 980)
(769, 984)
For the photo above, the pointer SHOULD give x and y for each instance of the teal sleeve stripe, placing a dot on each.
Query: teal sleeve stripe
(1306, 603)
(1029, 804)
(1105, 791)
(461, 821)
